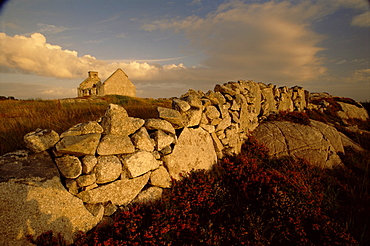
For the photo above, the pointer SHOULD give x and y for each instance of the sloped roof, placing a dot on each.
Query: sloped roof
(119, 72)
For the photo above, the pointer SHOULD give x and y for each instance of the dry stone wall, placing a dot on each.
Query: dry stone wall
(114, 158)
(118, 159)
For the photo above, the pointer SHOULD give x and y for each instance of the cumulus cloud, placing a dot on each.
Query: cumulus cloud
(34, 55)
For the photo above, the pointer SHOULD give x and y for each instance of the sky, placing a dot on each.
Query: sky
(166, 47)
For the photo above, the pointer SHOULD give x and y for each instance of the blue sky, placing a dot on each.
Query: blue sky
(169, 46)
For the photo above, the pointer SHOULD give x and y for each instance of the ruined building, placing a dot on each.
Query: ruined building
(116, 84)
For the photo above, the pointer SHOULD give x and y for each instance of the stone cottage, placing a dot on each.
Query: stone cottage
(116, 84)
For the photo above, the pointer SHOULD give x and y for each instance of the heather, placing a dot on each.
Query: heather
(249, 199)
(295, 116)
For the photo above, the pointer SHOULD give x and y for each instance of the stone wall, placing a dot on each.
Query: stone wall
(117, 159)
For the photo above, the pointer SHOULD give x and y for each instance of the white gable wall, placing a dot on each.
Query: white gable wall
(118, 84)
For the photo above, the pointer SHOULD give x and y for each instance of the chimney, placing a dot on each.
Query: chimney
(93, 74)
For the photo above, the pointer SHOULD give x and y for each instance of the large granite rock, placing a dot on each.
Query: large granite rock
(180, 105)
(113, 120)
(108, 169)
(162, 140)
(88, 163)
(79, 145)
(142, 140)
(224, 89)
(22, 164)
(115, 144)
(117, 122)
(69, 166)
(139, 163)
(33, 201)
(131, 125)
(172, 116)
(82, 129)
(192, 98)
(216, 98)
(299, 98)
(268, 103)
(86, 180)
(41, 140)
(350, 111)
(317, 144)
(192, 117)
(120, 192)
(252, 93)
(212, 112)
(160, 177)
(284, 101)
(330, 133)
(193, 150)
(225, 123)
(158, 124)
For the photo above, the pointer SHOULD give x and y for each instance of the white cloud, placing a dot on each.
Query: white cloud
(122, 35)
(96, 41)
(46, 28)
(362, 20)
(269, 41)
(196, 2)
(34, 55)
(361, 75)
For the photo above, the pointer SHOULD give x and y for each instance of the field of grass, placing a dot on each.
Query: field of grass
(18, 117)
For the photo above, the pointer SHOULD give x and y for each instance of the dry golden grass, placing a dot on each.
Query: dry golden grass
(17, 118)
